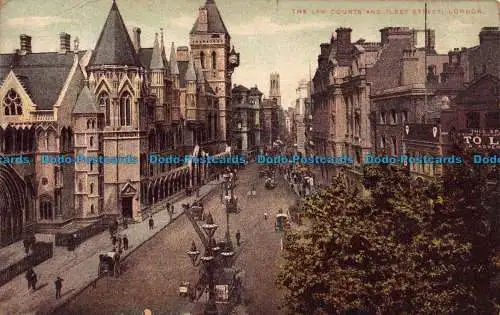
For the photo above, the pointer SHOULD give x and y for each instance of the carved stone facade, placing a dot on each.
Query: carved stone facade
(118, 100)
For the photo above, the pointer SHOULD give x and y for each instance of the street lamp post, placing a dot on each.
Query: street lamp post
(227, 197)
(210, 260)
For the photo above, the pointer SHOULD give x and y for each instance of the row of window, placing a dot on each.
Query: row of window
(125, 108)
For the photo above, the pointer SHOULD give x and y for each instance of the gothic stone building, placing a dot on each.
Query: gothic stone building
(116, 100)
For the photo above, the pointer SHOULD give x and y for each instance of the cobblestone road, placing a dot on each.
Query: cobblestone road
(154, 271)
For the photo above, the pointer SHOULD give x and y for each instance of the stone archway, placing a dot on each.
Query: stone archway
(12, 206)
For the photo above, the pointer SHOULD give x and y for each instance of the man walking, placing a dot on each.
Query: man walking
(34, 280)
(238, 237)
(29, 277)
(151, 223)
(125, 242)
(58, 284)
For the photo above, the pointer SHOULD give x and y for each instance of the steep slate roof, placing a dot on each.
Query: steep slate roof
(145, 55)
(182, 67)
(114, 46)
(43, 74)
(215, 23)
(156, 58)
(85, 103)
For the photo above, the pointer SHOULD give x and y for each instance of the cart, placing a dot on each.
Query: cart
(281, 222)
(197, 212)
(109, 264)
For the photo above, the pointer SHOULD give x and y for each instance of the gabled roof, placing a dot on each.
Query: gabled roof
(85, 103)
(44, 74)
(483, 90)
(114, 46)
(215, 23)
(156, 58)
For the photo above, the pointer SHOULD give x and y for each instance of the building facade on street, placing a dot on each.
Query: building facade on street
(341, 102)
(299, 118)
(118, 100)
(246, 110)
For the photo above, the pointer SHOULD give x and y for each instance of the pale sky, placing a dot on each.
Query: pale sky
(270, 37)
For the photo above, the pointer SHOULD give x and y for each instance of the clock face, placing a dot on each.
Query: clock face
(233, 59)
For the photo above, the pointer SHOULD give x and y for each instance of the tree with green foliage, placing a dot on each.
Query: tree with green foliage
(411, 248)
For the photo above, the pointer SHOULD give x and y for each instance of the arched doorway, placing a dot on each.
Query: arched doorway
(12, 206)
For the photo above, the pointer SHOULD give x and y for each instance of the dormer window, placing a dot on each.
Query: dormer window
(12, 104)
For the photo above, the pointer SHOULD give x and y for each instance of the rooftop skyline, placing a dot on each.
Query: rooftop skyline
(270, 37)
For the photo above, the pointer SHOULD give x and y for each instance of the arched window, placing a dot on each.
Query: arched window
(214, 60)
(91, 188)
(12, 104)
(104, 101)
(80, 186)
(91, 166)
(125, 109)
(93, 123)
(91, 142)
(92, 211)
(88, 124)
(202, 59)
(393, 117)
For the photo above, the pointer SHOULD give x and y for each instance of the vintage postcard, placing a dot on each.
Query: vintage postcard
(258, 157)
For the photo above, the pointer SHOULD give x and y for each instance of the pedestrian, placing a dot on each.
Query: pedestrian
(151, 223)
(172, 209)
(29, 277)
(238, 237)
(125, 242)
(113, 239)
(34, 280)
(58, 284)
(265, 216)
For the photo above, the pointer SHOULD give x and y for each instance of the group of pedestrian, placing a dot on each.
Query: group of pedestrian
(32, 279)
(118, 241)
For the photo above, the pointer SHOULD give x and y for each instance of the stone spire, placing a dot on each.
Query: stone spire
(174, 69)
(156, 58)
(190, 72)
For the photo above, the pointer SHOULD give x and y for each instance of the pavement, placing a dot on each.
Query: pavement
(78, 268)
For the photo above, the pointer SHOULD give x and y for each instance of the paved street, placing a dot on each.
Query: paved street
(154, 271)
(78, 268)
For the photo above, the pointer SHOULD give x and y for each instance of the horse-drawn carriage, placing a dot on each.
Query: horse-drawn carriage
(270, 183)
(196, 209)
(109, 264)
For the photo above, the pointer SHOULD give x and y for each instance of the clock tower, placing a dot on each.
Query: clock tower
(211, 43)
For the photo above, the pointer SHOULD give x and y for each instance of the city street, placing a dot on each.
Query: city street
(154, 271)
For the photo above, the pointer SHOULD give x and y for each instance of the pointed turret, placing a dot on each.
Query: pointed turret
(156, 58)
(114, 46)
(174, 69)
(85, 103)
(190, 72)
(162, 46)
(209, 20)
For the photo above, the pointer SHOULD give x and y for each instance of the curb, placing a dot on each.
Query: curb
(78, 291)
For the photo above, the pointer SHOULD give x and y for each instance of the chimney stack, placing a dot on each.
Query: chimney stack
(431, 40)
(65, 42)
(183, 53)
(490, 34)
(137, 39)
(343, 40)
(25, 44)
